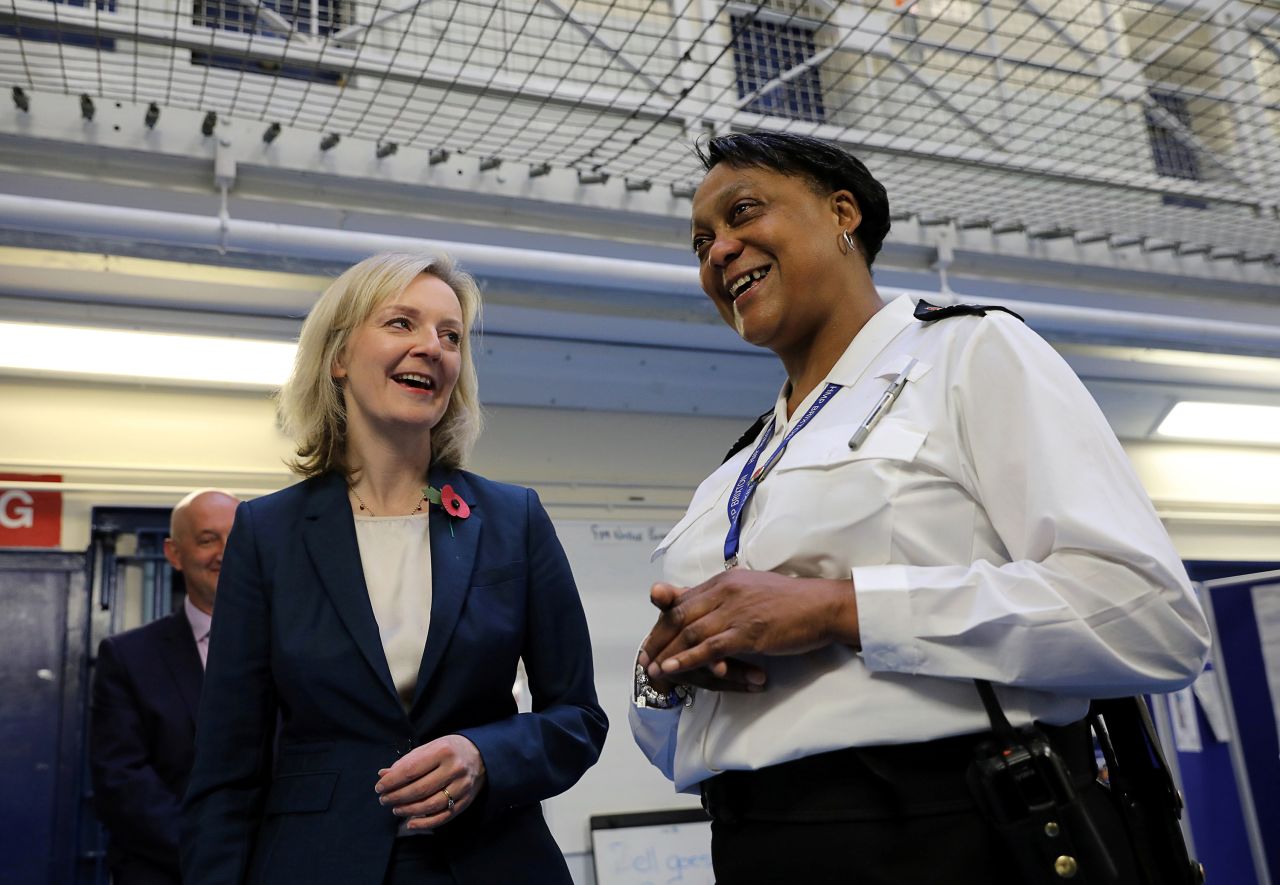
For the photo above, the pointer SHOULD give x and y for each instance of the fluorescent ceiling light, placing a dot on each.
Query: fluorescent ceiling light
(166, 271)
(116, 353)
(1189, 359)
(1223, 422)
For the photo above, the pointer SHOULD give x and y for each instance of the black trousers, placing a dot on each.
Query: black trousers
(880, 816)
(945, 849)
(136, 871)
(415, 860)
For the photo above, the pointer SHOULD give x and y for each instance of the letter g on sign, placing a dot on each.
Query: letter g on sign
(17, 509)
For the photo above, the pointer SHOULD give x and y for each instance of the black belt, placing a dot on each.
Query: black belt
(875, 783)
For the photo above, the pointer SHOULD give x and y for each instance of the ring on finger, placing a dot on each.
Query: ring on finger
(448, 799)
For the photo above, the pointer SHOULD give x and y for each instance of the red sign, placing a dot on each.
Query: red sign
(30, 518)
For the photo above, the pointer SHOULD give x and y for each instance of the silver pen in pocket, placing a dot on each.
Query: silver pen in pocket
(886, 400)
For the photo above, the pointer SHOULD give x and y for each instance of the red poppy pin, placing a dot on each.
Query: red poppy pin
(453, 504)
(448, 500)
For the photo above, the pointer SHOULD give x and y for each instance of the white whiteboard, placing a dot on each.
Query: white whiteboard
(611, 565)
(631, 850)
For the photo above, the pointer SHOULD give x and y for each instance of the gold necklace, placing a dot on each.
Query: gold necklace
(414, 512)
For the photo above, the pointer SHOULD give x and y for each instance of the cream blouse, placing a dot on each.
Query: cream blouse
(395, 552)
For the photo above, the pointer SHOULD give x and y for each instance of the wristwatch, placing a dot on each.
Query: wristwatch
(648, 697)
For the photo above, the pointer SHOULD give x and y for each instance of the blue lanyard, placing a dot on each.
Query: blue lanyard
(745, 487)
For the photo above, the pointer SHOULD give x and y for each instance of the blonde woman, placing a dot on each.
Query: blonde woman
(357, 724)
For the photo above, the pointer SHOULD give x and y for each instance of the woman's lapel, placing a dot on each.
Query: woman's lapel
(329, 533)
(455, 544)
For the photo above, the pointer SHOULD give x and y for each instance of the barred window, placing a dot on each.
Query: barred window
(318, 17)
(1172, 155)
(762, 51)
(310, 17)
(66, 38)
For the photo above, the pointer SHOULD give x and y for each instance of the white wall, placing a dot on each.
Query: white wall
(138, 445)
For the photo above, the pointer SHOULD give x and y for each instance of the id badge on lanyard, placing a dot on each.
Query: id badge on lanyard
(751, 477)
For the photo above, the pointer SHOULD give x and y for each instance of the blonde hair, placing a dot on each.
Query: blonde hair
(310, 405)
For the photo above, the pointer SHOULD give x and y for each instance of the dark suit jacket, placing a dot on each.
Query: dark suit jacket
(146, 691)
(294, 632)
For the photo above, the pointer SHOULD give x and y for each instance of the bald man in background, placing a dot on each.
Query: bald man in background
(146, 692)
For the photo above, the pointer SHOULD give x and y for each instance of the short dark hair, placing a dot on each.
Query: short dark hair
(826, 167)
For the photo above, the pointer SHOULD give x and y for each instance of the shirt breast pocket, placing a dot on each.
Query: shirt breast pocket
(828, 449)
(687, 556)
(825, 507)
(710, 493)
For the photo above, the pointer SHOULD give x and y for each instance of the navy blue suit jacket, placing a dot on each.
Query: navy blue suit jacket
(294, 634)
(146, 691)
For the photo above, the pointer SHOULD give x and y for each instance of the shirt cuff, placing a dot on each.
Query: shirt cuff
(885, 620)
(655, 731)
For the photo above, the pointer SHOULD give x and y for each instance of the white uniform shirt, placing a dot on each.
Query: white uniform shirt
(395, 552)
(993, 528)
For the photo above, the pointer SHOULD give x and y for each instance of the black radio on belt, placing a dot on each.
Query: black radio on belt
(1024, 790)
(1017, 781)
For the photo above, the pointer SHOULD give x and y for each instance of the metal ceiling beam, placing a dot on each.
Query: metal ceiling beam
(689, 49)
(717, 79)
(593, 37)
(1058, 30)
(379, 21)
(946, 104)
(1000, 56)
(1189, 29)
(1266, 41)
(997, 52)
(1121, 77)
(1240, 12)
(1216, 95)
(1258, 143)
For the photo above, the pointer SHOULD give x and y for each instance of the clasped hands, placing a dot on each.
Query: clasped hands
(702, 631)
(699, 634)
(420, 785)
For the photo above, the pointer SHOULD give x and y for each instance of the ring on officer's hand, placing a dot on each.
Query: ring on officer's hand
(448, 799)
